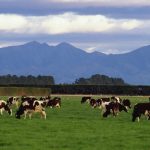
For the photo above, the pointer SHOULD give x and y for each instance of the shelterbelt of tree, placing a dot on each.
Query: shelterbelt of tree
(45, 80)
(26, 80)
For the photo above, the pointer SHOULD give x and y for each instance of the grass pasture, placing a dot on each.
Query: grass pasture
(75, 126)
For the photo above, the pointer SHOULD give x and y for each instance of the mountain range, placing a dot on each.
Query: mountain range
(67, 63)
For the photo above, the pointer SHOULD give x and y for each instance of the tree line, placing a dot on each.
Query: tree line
(26, 80)
(92, 85)
(49, 80)
(98, 79)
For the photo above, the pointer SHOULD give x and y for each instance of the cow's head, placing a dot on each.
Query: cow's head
(126, 103)
(122, 107)
(106, 113)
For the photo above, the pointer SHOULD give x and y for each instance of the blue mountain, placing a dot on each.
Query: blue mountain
(67, 63)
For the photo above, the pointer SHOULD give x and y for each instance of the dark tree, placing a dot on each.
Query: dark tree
(100, 80)
(26, 80)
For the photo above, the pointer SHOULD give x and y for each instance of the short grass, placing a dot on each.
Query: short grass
(75, 126)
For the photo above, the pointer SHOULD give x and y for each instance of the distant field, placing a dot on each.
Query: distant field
(75, 126)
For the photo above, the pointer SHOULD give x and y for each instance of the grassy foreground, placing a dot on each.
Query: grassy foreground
(75, 127)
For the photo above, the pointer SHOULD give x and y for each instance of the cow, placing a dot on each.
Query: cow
(93, 103)
(114, 108)
(116, 99)
(126, 103)
(140, 109)
(85, 99)
(55, 102)
(105, 99)
(29, 107)
(13, 101)
(28, 98)
(102, 105)
(45, 98)
(4, 107)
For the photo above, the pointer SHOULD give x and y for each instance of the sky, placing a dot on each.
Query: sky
(108, 26)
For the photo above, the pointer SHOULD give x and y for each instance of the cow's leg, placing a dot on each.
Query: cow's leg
(25, 114)
(10, 112)
(30, 115)
(103, 110)
(17, 104)
(1, 111)
(88, 101)
(43, 113)
(138, 119)
(114, 113)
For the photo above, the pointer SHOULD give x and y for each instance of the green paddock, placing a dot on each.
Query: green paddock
(75, 126)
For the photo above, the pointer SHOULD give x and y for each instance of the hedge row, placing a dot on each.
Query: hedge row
(99, 89)
(74, 89)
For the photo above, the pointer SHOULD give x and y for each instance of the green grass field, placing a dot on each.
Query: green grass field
(75, 126)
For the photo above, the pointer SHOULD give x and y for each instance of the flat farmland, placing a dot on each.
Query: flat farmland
(75, 126)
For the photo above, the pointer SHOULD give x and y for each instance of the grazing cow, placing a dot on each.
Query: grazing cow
(30, 107)
(141, 109)
(126, 103)
(102, 105)
(102, 102)
(13, 101)
(55, 102)
(4, 106)
(105, 99)
(85, 99)
(45, 98)
(116, 99)
(93, 103)
(114, 108)
(28, 98)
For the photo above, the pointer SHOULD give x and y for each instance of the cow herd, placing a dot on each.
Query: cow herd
(114, 105)
(28, 105)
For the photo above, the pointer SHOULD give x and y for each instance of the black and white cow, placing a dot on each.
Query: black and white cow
(105, 99)
(4, 107)
(45, 98)
(114, 108)
(85, 99)
(29, 107)
(13, 101)
(93, 103)
(126, 103)
(116, 99)
(28, 98)
(141, 109)
(55, 102)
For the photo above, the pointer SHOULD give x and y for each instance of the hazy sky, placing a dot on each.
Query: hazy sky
(109, 26)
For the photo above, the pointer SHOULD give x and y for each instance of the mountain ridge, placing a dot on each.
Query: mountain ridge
(67, 63)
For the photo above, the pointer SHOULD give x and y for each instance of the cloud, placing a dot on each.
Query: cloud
(12, 22)
(106, 2)
(68, 23)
